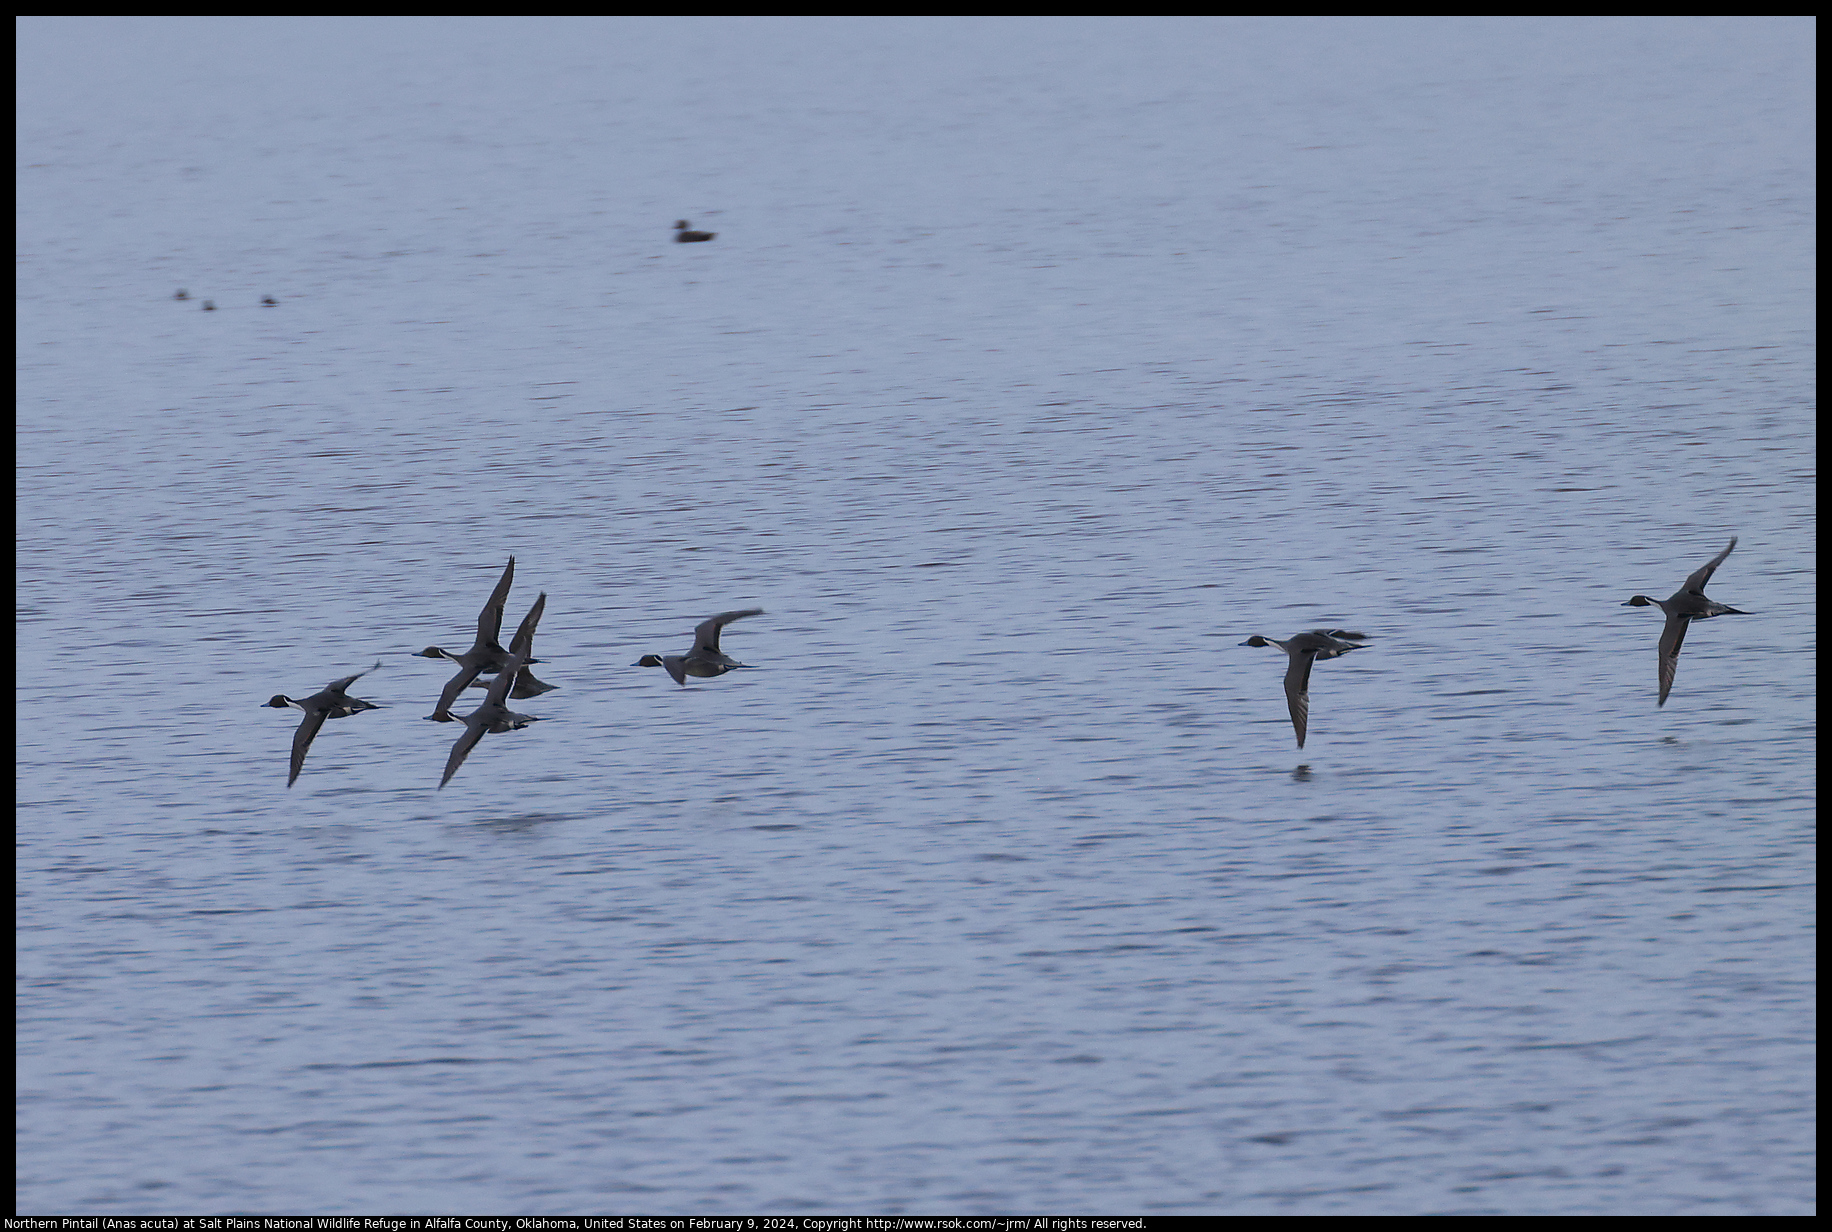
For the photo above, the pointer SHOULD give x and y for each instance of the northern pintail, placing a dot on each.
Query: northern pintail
(491, 716)
(330, 703)
(1687, 604)
(522, 644)
(683, 235)
(181, 293)
(705, 659)
(268, 301)
(486, 655)
(1304, 649)
(209, 305)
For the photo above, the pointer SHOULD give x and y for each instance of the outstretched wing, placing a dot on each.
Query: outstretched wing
(706, 633)
(1671, 638)
(453, 688)
(1695, 585)
(1297, 694)
(473, 732)
(490, 620)
(302, 739)
(338, 686)
(523, 644)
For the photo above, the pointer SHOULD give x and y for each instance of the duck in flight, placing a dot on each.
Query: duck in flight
(492, 716)
(330, 703)
(684, 234)
(521, 646)
(1304, 649)
(1687, 604)
(705, 659)
(486, 655)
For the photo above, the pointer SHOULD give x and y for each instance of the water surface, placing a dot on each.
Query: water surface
(1035, 366)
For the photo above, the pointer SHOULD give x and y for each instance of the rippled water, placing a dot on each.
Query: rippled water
(1036, 365)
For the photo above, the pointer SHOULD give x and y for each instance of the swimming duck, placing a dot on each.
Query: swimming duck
(269, 301)
(685, 236)
(330, 703)
(491, 716)
(1687, 604)
(209, 305)
(182, 294)
(486, 655)
(705, 659)
(1305, 649)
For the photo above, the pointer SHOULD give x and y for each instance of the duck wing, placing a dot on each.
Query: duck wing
(1671, 638)
(338, 686)
(1297, 692)
(302, 739)
(490, 620)
(1695, 585)
(453, 687)
(473, 732)
(706, 633)
(523, 642)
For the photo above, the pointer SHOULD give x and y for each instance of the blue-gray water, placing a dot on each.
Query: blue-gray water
(1036, 365)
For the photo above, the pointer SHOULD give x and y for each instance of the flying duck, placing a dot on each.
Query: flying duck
(491, 716)
(523, 645)
(331, 703)
(705, 659)
(1305, 649)
(486, 655)
(1688, 603)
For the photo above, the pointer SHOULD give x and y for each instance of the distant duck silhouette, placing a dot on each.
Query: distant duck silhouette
(209, 306)
(1687, 604)
(683, 235)
(269, 301)
(182, 294)
(1304, 649)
